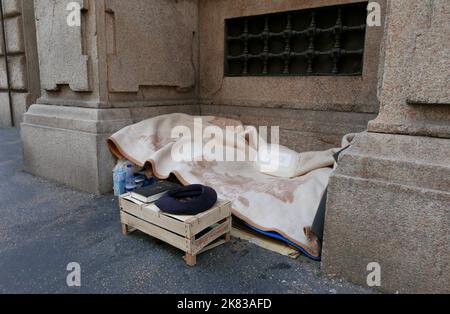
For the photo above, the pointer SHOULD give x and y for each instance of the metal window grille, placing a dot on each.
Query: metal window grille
(322, 41)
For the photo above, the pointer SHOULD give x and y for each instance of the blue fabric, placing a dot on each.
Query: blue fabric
(278, 236)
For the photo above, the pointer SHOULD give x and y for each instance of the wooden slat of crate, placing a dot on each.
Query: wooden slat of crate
(198, 223)
(127, 201)
(200, 244)
(152, 214)
(171, 238)
(178, 231)
(179, 217)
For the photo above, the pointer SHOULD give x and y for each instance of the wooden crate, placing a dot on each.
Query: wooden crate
(192, 234)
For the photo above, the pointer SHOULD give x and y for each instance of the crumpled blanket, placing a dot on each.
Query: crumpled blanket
(270, 202)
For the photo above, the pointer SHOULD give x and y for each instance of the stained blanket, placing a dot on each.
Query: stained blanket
(285, 205)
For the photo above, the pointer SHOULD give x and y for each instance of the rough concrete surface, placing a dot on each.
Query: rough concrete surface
(22, 61)
(62, 55)
(354, 94)
(389, 203)
(415, 85)
(69, 144)
(273, 97)
(163, 41)
(45, 226)
(300, 130)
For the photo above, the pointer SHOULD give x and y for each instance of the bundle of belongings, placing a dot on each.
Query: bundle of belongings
(273, 189)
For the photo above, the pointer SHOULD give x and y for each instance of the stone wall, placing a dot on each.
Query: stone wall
(389, 199)
(313, 112)
(22, 61)
(416, 97)
(128, 61)
(129, 54)
(163, 63)
(131, 60)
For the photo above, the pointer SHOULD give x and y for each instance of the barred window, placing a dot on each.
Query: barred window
(321, 41)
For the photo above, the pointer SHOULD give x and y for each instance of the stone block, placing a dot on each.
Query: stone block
(20, 104)
(415, 85)
(389, 203)
(5, 110)
(357, 94)
(301, 141)
(14, 36)
(301, 130)
(163, 38)
(12, 7)
(142, 113)
(17, 71)
(429, 82)
(68, 157)
(63, 50)
(69, 144)
(2, 48)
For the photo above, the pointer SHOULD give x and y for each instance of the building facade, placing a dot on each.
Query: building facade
(19, 68)
(130, 60)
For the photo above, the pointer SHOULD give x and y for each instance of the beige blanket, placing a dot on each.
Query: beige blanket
(268, 202)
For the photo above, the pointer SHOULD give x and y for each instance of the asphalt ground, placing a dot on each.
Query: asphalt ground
(45, 226)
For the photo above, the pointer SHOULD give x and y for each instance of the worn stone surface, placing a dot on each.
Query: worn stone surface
(389, 202)
(12, 7)
(94, 84)
(430, 62)
(5, 110)
(102, 71)
(14, 35)
(69, 144)
(313, 103)
(163, 38)
(415, 87)
(23, 64)
(357, 94)
(301, 130)
(63, 51)
(68, 157)
(407, 160)
(162, 68)
(17, 72)
(69, 56)
(20, 105)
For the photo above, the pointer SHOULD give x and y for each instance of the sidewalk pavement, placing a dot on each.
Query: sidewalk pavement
(45, 226)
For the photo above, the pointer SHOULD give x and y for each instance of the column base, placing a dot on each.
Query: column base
(69, 144)
(389, 203)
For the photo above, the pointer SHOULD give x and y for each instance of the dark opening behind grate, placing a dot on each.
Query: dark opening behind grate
(321, 41)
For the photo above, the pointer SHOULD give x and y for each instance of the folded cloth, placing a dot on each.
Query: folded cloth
(188, 200)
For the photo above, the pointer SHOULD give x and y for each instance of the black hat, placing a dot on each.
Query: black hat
(188, 200)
